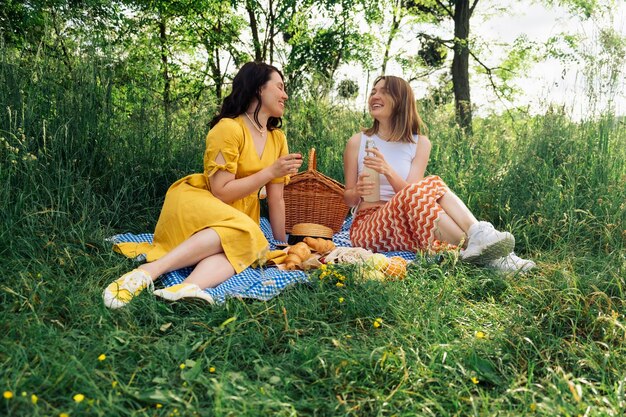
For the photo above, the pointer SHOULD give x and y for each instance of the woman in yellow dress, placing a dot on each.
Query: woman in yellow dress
(211, 220)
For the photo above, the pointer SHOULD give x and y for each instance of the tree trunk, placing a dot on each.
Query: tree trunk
(258, 55)
(165, 72)
(271, 29)
(460, 65)
(395, 23)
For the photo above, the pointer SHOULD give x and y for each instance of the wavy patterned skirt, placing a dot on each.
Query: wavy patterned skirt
(407, 222)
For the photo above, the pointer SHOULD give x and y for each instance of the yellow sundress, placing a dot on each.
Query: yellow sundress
(190, 206)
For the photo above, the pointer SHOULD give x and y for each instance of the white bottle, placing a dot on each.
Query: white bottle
(373, 176)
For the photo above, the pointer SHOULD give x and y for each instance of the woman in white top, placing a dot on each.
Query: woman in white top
(413, 211)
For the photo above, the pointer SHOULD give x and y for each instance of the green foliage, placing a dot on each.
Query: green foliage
(347, 89)
(432, 53)
(84, 155)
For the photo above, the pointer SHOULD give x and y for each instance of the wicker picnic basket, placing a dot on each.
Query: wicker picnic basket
(312, 197)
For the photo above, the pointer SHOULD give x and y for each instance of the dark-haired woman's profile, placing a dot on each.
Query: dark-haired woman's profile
(210, 221)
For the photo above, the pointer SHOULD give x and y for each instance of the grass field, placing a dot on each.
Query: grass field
(79, 164)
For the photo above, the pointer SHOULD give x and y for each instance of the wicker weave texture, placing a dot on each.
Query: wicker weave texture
(312, 197)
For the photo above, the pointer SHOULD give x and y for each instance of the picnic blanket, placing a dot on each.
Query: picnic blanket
(256, 283)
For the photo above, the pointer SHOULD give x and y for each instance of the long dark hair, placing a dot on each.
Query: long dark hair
(246, 87)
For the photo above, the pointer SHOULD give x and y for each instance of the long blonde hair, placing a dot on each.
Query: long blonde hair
(405, 120)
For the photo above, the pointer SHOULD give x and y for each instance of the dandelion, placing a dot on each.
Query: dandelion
(378, 322)
(7, 395)
(475, 380)
(480, 335)
(34, 399)
(533, 407)
(340, 284)
(341, 300)
(158, 405)
(79, 398)
(339, 276)
(64, 415)
(182, 366)
(102, 357)
(212, 369)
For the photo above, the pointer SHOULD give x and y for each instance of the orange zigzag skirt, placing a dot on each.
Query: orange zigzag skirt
(407, 222)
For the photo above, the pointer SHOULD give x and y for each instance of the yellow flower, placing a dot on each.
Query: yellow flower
(34, 399)
(475, 380)
(340, 284)
(323, 267)
(114, 384)
(341, 299)
(182, 366)
(159, 405)
(212, 369)
(378, 322)
(480, 335)
(7, 395)
(64, 415)
(79, 398)
(533, 407)
(102, 357)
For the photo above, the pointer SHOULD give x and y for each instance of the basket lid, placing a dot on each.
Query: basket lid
(312, 230)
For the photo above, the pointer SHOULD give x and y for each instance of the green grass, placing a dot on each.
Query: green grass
(455, 340)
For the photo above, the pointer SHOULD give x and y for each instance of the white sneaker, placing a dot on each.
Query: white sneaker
(512, 263)
(486, 244)
(184, 290)
(122, 290)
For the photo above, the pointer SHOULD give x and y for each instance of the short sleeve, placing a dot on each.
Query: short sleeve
(226, 137)
(281, 150)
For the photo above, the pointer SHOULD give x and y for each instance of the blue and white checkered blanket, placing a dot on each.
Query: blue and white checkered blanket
(258, 283)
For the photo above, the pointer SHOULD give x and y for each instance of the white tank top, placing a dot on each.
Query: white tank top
(398, 154)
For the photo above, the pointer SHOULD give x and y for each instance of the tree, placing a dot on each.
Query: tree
(310, 38)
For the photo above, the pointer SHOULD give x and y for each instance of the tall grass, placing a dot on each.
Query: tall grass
(85, 156)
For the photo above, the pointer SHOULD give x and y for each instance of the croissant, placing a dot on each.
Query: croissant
(319, 244)
(301, 249)
(292, 261)
(297, 254)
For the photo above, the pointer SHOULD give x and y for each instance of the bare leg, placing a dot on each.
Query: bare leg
(211, 272)
(199, 246)
(448, 231)
(457, 210)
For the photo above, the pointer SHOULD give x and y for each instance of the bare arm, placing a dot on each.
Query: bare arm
(420, 162)
(228, 189)
(350, 171)
(376, 160)
(276, 204)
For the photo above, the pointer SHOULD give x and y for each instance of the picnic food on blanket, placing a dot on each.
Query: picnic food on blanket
(370, 274)
(319, 244)
(396, 268)
(376, 265)
(297, 254)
